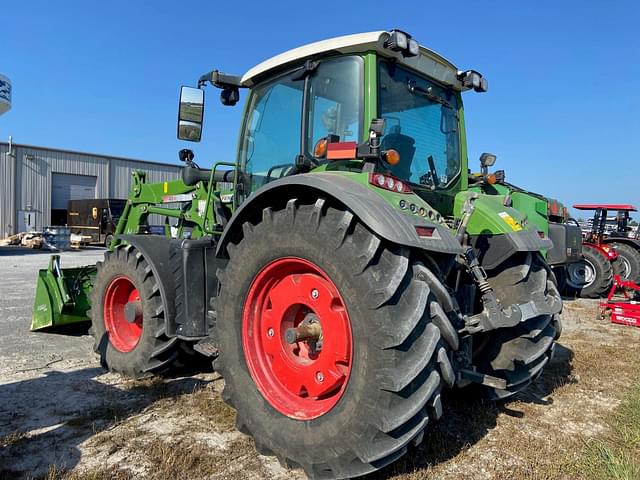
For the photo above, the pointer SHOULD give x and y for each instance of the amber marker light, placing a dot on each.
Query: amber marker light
(491, 179)
(392, 157)
(320, 150)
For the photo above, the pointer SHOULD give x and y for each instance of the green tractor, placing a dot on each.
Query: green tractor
(340, 272)
(548, 215)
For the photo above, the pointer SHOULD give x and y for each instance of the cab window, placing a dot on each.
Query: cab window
(335, 101)
(271, 139)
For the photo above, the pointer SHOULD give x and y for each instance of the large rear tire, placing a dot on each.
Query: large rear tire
(629, 261)
(592, 276)
(518, 354)
(133, 344)
(386, 341)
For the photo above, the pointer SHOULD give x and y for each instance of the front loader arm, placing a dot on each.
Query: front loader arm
(151, 198)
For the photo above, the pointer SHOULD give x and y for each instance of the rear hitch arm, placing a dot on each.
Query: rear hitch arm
(493, 315)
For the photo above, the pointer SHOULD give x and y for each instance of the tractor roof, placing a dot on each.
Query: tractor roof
(427, 62)
(604, 206)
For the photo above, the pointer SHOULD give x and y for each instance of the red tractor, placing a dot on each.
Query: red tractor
(605, 253)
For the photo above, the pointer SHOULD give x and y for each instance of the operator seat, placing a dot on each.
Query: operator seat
(405, 146)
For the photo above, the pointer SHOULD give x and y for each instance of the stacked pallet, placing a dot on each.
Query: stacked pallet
(26, 239)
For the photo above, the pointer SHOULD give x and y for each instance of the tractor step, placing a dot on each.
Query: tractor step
(482, 378)
(206, 347)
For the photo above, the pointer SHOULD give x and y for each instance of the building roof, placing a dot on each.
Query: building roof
(605, 206)
(428, 61)
(101, 155)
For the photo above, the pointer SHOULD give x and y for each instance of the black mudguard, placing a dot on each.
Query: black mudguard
(380, 217)
(492, 250)
(155, 249)
(185, 271)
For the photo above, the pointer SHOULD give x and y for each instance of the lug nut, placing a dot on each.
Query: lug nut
(314, 293)
(270, 332)
(319, 376)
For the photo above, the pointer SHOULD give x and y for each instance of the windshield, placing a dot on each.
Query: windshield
(116, 210)
(272, 131)
(421, 124)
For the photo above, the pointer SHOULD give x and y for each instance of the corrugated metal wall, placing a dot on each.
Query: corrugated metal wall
(7, 192)
(120, 175)
(25, 179)
(120, 179)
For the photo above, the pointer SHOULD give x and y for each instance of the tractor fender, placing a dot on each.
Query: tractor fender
(632, 242)
(372, 210)
(155, 250)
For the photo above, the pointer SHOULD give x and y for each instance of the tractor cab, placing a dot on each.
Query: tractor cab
(312, 108)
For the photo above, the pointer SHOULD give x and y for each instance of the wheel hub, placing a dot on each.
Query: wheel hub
(626, 268)
(297, 338)
(581, 274)
(122, 314)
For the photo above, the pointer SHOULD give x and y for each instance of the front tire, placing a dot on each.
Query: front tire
(107, 240)
(391, 369)
(133, 344)
(520, 353)
(592, 276)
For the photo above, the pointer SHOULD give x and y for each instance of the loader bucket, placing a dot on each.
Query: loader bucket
(62, 295)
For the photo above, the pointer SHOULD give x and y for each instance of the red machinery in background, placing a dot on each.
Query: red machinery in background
(618, 236)
(623, 309)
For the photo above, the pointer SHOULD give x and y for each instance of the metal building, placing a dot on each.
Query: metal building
(36, 183)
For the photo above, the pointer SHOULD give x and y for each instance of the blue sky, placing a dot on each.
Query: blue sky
(562, 110)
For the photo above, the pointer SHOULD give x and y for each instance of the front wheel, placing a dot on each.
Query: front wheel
(592, 276)
(333, 347)
(520, 353)
(127, 316)
(107, 240)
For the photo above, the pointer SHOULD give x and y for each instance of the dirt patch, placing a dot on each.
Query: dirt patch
(80, 424)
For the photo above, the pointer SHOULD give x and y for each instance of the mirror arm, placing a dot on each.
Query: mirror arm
(220, 80)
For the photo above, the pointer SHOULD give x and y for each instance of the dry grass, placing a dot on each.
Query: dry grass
(12, 439)
(112, 473)
(616, 456)
(581, 420)
(188, 460)
(541, 434)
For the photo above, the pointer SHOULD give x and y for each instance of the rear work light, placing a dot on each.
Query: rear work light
(388, 182)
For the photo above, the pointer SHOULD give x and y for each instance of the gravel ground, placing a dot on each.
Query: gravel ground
(19, 347)
(63, 417)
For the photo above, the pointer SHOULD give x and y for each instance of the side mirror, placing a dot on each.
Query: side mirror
(190, 114)
(487, 160)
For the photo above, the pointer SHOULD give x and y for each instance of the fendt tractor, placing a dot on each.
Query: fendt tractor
(340, 272)
(548, 215)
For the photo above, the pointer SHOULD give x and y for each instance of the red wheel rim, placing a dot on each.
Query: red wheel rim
(123, 334)
(305, 379)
